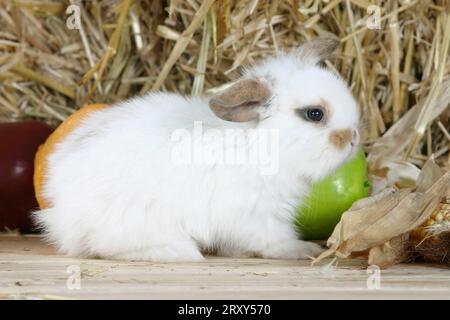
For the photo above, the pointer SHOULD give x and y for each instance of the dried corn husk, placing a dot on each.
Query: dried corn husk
(388, 227)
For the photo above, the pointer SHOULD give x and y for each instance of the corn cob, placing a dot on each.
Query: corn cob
(431, 240)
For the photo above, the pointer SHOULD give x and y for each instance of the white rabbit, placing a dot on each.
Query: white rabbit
(117, 190)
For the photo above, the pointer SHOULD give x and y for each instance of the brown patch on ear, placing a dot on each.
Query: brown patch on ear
(239, 103)
(340, 138)
(318, 49)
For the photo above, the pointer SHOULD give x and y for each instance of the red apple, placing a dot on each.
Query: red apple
(19, 142)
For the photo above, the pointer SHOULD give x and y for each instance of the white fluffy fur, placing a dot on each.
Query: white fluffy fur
(116, 193)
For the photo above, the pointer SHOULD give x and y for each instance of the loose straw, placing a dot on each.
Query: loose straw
(182, 43)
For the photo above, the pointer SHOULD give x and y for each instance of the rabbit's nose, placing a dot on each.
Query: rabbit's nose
(341, 138)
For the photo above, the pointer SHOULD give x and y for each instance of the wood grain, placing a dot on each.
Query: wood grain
(32, 270)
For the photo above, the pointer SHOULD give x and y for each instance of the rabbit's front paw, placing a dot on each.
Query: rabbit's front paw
(310, 250)
(293, 249)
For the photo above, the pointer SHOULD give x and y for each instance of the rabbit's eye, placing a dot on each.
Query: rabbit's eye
(313, 114)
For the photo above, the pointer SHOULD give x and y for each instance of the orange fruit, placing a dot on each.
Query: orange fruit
(40, 160)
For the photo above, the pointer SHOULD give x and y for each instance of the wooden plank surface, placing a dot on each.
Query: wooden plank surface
(30, 269)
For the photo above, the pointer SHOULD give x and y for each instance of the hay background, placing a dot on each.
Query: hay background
(124, 48)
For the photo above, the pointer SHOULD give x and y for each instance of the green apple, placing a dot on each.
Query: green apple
(331, 197)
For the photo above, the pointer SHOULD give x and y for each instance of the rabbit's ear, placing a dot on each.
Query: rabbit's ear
(318, 49)
(241, 101)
